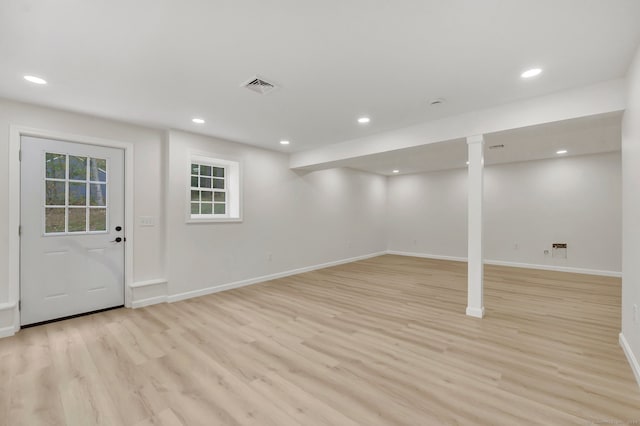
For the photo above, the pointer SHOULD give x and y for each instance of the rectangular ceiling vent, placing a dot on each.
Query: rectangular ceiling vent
(259, 85)
(496, 146)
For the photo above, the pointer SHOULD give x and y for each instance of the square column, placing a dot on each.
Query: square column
(475, 279)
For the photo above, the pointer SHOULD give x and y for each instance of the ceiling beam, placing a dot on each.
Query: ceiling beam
(601, 98)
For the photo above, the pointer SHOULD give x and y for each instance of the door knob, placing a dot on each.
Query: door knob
(118, 228)
(117, 240)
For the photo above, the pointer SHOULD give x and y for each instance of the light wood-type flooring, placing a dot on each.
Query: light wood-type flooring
(378, 342)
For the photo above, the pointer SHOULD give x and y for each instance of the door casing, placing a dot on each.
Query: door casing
(16, 133)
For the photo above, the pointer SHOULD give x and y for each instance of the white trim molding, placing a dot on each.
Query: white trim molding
(161, 285)
(135, 304)
(7, 319)
(148, 283)
(251, 281)
(633, 361)
(574, 270)
(234, 195)
(571, 269)
(7, 331)
(150, 292)
(15, 136)
(475, 312)
(427, 256)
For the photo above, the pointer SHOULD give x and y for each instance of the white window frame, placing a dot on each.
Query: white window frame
(233, 188)
(67, 180)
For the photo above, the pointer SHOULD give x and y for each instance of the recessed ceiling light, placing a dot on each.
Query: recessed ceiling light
(396, 171)
(284, 142)
(562, 151)
(531, 73)
(467, 163)
(364, 120)
(34, 79)
(198, 120)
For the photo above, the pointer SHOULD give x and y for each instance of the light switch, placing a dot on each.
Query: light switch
(146, 221)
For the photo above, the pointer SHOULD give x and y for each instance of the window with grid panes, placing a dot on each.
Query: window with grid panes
(208, 190)
(75, 195)
(214, 189)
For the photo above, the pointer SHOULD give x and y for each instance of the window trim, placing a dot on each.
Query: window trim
(225, 190)
(233, 187)
(67, 180)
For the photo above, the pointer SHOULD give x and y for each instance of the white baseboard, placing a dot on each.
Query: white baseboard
(555, 268)
(210, 290)
(633, 361)
(148, 283)
(515, 264)
(427, 256)
(9, 306)
(149, 292)
(7, 331)
(8, 319)
(148, 302)
(475, 312)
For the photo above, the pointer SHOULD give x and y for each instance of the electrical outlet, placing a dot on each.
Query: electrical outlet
(559, 250)
(515, 246)
(546, 252)
(269, 257)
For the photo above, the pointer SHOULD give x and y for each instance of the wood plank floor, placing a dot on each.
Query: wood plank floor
(379, 342)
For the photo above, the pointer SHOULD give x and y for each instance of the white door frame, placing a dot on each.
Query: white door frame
(16, 133)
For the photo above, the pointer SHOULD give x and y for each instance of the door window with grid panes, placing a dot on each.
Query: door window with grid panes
(208, 190)
(75, 194)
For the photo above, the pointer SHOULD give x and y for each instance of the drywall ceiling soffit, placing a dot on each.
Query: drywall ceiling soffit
(603, 98)
(582, 136)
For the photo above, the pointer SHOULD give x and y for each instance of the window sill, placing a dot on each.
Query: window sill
(214, 220)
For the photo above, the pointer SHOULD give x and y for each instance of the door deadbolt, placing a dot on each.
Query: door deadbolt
(118, 228)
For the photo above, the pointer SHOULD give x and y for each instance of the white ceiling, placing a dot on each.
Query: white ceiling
(588, 135)
(162, 62)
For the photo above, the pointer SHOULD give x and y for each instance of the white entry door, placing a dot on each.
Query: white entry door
(72, 229)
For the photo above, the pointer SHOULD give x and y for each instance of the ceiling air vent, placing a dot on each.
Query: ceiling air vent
(259, 85)
(496, 146)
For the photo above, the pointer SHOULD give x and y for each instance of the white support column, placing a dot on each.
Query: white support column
(475, 305)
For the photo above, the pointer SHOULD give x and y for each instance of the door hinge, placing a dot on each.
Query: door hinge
(19, 305)
(19, 230)
(19, 155)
